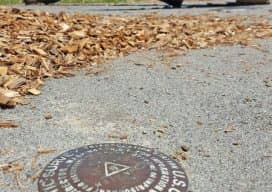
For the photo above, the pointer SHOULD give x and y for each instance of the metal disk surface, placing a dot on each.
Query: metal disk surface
(113, 168)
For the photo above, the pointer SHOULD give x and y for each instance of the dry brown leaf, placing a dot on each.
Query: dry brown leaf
(64, 27)
(4, 100)
(18, 180)
(70, 48)
(15, 168)
(16, 83)
(230, 128)
(121, 137)
(3, 70)
(78, 34)
(12, 167)
(36, 176)
(43, 150)
(8, 93)
(34, 91)
(181, 156)
(20, 100)
(39, 51)
(5, 167)
(8, 125)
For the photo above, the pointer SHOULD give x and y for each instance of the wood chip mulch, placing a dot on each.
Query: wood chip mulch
(35, 46)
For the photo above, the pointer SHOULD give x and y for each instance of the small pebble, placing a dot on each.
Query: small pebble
(235, 143)
(146, 102)
(48, 116)
(185, 148)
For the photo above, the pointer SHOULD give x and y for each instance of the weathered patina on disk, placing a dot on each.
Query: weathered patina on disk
(113, 167)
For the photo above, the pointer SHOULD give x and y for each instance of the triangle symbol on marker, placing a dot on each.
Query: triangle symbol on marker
(114, 168)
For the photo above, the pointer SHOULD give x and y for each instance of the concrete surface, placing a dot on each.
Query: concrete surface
(222, 7)
(196, 98)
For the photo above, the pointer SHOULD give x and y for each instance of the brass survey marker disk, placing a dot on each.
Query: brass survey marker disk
(113, 168)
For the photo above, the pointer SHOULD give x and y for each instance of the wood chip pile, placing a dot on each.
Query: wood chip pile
(38, 45)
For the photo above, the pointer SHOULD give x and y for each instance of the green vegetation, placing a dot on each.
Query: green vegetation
(7, 2)
(4, 2)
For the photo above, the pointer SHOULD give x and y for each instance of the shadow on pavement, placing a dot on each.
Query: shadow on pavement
(139, 7)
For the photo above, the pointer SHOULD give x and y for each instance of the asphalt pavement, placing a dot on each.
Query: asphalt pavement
(215, 101)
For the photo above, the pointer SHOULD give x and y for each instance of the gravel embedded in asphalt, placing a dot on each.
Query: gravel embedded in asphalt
(214, 101)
